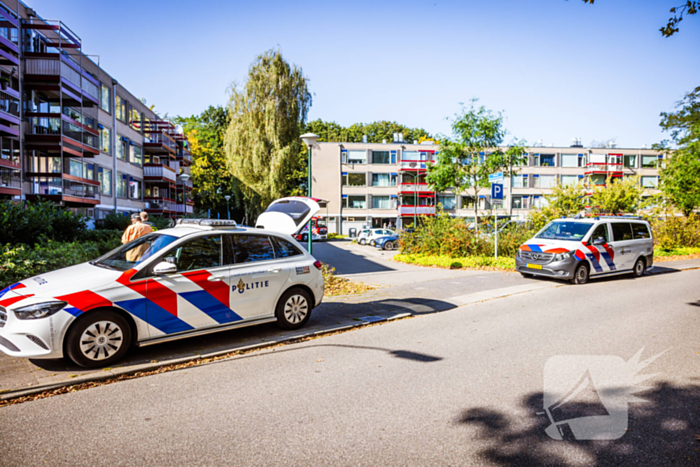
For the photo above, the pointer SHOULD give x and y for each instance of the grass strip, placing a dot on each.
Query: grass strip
(467, 262)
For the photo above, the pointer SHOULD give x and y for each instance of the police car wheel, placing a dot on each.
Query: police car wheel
(304, 238)
(639, 268)
(98, 338)
(389, 246)
(293, 309)
(580, 275)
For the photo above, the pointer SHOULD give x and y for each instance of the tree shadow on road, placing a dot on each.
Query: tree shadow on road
(663, 431)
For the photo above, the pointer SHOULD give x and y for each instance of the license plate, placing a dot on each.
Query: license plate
(534, 266)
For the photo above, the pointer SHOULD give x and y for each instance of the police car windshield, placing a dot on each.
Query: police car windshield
(135, 252)
(565, 230)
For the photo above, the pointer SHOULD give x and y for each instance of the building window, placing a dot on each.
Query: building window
(122, 185)
(120, 105)
(569, 179)
(572, 160)
(649, 162)
(539, 201)
(381, 157)
(105, 178)
(382, 202)
(519, 181)
(448, 202)
(105, 100)
(135, 118)
(650, 182)
(544, 160)
(468, 202)
(105, 140)
(357, 179)
(546, 181)
(357, 202)
(136, 155)
(357, 157)
(134, 188)
(75, 168)
(122, 148)
(384, 179)
(631, 162)
(520, 202)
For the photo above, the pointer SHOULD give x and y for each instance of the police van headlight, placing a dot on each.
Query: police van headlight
(39, 310)
(563, 256)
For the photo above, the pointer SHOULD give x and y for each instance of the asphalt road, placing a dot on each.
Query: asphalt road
(462, 387)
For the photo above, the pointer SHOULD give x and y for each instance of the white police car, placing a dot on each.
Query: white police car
(199, 277)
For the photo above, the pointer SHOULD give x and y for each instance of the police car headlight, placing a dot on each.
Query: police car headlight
(39, 310)
(563, 256)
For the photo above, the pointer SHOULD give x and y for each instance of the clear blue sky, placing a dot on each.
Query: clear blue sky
(556, 68)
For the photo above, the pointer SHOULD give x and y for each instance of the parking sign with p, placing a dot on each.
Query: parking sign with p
(496, 191)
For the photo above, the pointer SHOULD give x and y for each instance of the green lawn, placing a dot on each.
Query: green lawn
(678, 251)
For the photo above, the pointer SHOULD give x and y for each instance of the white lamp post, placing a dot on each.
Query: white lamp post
(309, 140)
(184, 178)
(228, 197)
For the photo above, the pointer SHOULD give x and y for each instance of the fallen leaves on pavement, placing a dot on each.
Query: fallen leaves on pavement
(340, 286)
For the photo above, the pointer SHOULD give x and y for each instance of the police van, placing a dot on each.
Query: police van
(579, 249)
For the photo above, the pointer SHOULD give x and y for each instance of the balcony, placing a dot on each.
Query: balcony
(160, 205)
(61, 133)
(413, 165)
(62, 74)
(405, 210)
(184, 156)
(158, 173)
(598, 168)
(9, 40)
(9, 115)
(71, 191)
(179, 209)
(10, 182)
(159, 142)
(410, 188)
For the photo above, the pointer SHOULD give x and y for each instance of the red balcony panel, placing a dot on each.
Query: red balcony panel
(7, 163)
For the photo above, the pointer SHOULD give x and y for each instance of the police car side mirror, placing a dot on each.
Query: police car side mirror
(163, 268)
(599, 241)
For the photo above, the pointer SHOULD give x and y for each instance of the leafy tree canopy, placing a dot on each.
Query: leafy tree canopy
(376, 132)
(684, 124)
(680, 178)
(690, 7)
(617, 196)
(262, 144)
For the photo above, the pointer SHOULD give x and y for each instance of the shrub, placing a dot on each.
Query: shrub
(443, 235)
(160, 223)
(115, 221)
(28, 223)
(671, 232)
(20, 262)
(509, 240)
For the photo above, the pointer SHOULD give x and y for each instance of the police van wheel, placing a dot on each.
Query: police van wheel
(639, 268)
(99, 338)
(304, 238)
(293, 309)
(581, 275)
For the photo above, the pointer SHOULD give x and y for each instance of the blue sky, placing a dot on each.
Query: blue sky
(556, 68)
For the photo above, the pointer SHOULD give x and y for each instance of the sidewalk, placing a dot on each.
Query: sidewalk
(23, 376)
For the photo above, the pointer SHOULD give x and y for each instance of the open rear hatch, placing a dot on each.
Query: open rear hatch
(288, 215)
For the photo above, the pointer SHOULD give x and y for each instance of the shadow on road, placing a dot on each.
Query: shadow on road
(347, 262)
(662, 431)
(326, 316)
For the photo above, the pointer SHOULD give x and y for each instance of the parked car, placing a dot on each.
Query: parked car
(202, 276)
(579, 249)
(368, 237)
(387, 243)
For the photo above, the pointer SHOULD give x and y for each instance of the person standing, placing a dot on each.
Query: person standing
(136, 229)
(144, 219)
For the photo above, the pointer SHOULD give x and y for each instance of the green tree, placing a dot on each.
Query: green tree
(680, 179)
(262, 144)
(617, 196)
(564, 201)
(466, 159)
(690, 7)
(210, 176)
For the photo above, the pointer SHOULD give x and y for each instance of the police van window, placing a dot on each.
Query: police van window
(198, 253)
(621, 231)
(600, 231)
(284, 248)
(250, 248)
(640, 230)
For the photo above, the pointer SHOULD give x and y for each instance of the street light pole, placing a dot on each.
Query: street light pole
(415, 200)
(184, 178)
(228, 211)
(309, 140)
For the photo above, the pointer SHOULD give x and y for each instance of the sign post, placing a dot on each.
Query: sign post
(496, 194)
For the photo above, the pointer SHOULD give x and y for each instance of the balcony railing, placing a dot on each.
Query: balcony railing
(9, 104)
(56, 67)
(159, 171)
(603, 167)
(411, 187)
(55, 126)
(410, 210)
(65, 187)
(413, 165)
(8, 179)
(179, 208)
(160, 138)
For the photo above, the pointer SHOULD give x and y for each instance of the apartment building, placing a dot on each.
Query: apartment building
(72, 134)
(384, 184)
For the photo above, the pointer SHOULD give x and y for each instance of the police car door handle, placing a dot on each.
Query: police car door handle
(215, 278)
(274, 270)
